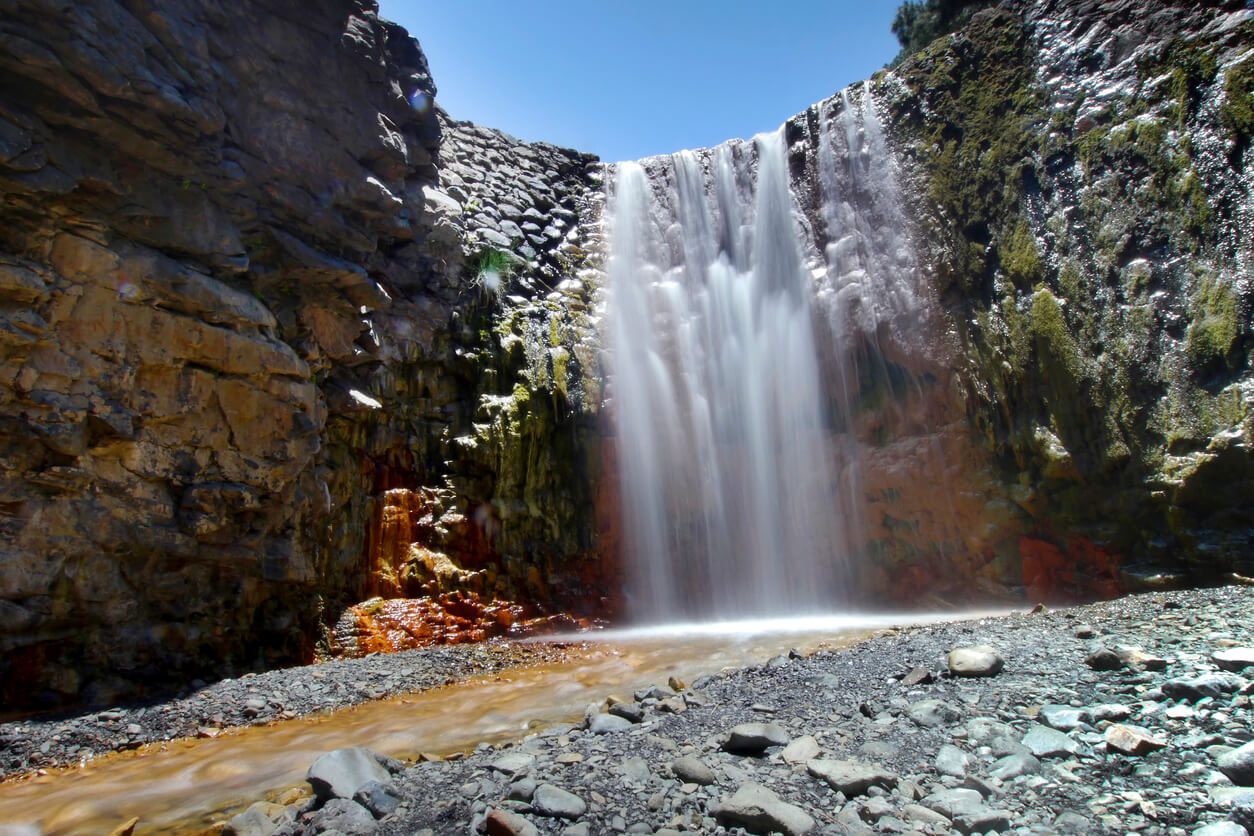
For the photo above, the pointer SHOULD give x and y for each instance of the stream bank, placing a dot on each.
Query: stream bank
(1128, 716)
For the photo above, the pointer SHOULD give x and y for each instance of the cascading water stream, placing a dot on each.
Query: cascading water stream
(741, 472)
(726, 474)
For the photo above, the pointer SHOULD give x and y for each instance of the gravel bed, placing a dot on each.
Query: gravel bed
(253, 699)
(1129, 716)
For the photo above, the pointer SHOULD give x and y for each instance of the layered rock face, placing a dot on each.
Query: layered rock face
(1086, 195)
(237, 311)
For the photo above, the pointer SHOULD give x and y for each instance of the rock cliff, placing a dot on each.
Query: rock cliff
(1086, 195)
(244, 305)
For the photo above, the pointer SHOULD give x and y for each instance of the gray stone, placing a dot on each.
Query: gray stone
(1243, 810)
(918, 675)
(345, 816)
(759, 810)
(1044, 742)
(252, 822)
(1070, 823)
(1012, 766)
(966, 809)
(635, 770)
(1221, 828)
(491, 236)
(692, 771)
(975, 661)
(508, 823)
(1198, 688)
(630, 711)
(522, 789)
(1238, 765)
(801, 749)
(933, 713)
(918, 814)
(513, 763)
(654, 692)
(608, 724)
(1234, 659)
(950, 803)
(754, 738)
(982, 819)
(982, 731)
(340, 774)
(951, 760)
(380, 799)
(556, 802)
(1138, 659)
(1064, 718)
(1103, 659)
(851, 777)
(1110, 711)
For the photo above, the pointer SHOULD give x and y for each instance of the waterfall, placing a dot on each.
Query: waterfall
(745, 339)
(727, 483)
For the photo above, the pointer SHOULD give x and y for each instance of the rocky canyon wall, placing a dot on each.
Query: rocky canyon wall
(1086, 189)
(245, 323)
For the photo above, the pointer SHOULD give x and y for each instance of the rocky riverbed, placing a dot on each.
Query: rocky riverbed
(1130, 716)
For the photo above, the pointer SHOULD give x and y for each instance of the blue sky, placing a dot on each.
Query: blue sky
(630, 78)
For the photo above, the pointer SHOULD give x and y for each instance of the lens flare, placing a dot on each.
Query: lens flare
(420, 101)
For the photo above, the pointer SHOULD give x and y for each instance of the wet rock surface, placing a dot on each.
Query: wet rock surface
(972, 773)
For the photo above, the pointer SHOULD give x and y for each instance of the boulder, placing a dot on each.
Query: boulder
(759, 810)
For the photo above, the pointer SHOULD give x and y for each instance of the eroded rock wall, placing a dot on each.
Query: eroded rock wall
(1085, 189)
(238, 308)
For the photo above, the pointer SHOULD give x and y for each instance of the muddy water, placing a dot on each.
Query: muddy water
(187, 785)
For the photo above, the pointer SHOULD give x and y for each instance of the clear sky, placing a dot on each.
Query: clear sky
(626, 79)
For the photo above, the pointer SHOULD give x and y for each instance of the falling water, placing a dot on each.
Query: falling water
(727, 484)
(740, 473)
(870, 293)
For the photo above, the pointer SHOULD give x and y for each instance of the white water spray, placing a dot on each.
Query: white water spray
(727, 482)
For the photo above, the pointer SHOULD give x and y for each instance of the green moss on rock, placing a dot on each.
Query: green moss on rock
(1215, 324)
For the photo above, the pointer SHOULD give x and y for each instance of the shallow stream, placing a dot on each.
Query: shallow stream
(185, 786)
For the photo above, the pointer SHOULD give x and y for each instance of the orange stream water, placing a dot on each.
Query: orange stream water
(186, 785)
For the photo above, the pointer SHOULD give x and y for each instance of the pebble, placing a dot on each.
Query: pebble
(801, 749)
(1238, 765)
(1235, 659)
(975, 661)
(759, 810)
(851, 777)
(556, 802)
(1132, 740)
(341, 773)
(933, 712)
(1222, 828)
(1044, 742)
(692, 770)
(608, 724)
(755, 738)
(1103, 659)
